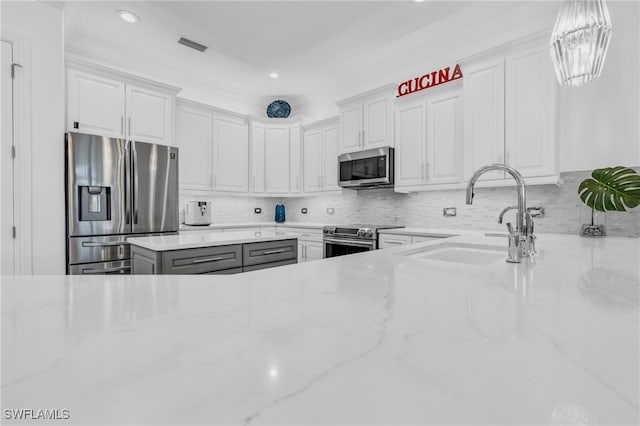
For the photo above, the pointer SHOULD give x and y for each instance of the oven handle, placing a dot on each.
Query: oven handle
(355, 243)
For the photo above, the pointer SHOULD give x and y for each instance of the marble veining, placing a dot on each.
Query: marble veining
(373, 338)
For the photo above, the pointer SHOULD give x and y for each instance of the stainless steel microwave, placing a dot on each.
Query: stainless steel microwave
(372, 168)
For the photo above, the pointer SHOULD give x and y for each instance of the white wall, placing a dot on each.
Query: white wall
(39, 28)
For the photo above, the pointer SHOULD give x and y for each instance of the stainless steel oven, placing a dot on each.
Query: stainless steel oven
(350, 239)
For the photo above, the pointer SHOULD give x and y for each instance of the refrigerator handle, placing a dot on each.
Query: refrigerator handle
(135, 183)
(127, 184)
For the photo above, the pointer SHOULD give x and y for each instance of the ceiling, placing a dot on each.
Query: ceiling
(309, 43)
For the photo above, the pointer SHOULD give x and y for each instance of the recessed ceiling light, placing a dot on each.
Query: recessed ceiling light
(128, 16)
(418, 1)
(274, 75)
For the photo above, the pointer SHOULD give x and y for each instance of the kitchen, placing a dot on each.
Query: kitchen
(593, 126)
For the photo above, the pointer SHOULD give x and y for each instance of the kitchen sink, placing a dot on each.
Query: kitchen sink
(465, 253)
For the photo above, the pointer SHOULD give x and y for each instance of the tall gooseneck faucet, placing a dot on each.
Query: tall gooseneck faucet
(520, 240)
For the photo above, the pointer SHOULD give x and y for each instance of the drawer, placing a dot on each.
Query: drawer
(269, 251)
(269, 265)
(306, 234)
(202, 260)
(390, 240)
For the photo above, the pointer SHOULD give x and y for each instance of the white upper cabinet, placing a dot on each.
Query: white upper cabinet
(111, 103)
(445, 137)
(366, 121)
(194, 137)
(95, 104)
(320, 154)
(410, 140)
(214, 148)
(230, 153)
(484, 116)
(530, 114)
(149, 115)
(295, 160)
(276, 169)
(256, 162)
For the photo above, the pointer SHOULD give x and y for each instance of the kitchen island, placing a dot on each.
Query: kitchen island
(379, 337)
(212, 252)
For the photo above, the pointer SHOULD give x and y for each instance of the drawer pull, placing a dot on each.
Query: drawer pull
(105, 244)
(208, 259)
(274, 251)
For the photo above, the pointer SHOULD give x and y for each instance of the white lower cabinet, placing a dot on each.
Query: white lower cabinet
(310, 246)
(214, 148)
(395, 240)
(313, 251)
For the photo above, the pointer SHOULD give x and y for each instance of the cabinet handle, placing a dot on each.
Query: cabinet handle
(422, 170)
(297, 183)
(214, 180)
(363, 138)
(211, 179)
(207, 259)
(393, 242)
(254, 183)
(129, 126)
(274, 251)
(122, 124)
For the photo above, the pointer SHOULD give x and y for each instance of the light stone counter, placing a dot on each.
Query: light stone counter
(215, 226)
(371, 338)
(207, 239)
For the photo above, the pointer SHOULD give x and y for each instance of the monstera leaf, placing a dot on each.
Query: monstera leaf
(611, 189)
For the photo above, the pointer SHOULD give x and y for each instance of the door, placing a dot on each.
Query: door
(194, 137)
(95, 105)
(444, 138)
(484, 117)
(351, 129)
(7, 267)
(296, 159)
(312, 160)
(256, 167)
(376, 132)
(276, 160)
(330, 159)
(154, 170)
(410, 139)
(230, 154)
(149, 115)
(530, 113)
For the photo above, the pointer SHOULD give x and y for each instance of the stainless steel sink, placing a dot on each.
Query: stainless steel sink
(465, 253)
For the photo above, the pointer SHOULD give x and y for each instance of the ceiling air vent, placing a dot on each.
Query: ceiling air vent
(192, 44)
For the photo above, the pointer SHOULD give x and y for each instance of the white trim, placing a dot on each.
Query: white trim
(23, 219)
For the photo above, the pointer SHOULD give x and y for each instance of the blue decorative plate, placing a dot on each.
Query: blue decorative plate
(278, 109)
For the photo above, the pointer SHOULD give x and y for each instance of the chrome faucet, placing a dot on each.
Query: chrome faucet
(521, 240)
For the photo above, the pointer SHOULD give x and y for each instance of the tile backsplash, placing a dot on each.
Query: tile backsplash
(564, 212)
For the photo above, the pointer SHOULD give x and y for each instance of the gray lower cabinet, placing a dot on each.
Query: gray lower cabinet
(207, 260)
(229, 259)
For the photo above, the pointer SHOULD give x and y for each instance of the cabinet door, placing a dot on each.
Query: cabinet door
(377, 123)
(313, 251)
(351, 129)
(484, 117)
(300, 251)
(256, 168)
(230, 154)
(149, 115)
(193, 138)
(296, 159)
(530, 113)
(330, 159)
(410, 138)
(95, 105)
(276, 160)
(312, 160)
(445, 138)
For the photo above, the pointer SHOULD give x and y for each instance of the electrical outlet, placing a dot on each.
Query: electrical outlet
(449, 212)
(257, 210)
(303, 210)
(330, 210)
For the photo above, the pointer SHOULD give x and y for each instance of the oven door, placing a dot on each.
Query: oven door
(342, 246)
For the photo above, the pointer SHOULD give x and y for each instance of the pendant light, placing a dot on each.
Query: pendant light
(579, 41)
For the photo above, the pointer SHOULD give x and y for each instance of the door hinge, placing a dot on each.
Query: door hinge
(13, 151)
(14, 231)
(13, 69)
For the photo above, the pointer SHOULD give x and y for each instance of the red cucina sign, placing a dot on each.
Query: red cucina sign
(428, 80)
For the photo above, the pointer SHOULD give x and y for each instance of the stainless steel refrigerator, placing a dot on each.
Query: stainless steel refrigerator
(115, 189)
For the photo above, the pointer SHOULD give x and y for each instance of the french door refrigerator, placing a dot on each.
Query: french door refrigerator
(115, 189)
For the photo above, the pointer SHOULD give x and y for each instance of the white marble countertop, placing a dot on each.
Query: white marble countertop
(372, 338)
(251, 225)
(207, 239)
(431, 232)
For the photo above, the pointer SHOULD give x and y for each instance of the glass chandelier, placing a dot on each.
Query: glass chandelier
(579, 41)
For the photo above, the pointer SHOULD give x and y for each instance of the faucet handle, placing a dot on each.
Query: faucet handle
(510, 228)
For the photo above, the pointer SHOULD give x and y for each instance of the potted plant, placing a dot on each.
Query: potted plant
(609, 189)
